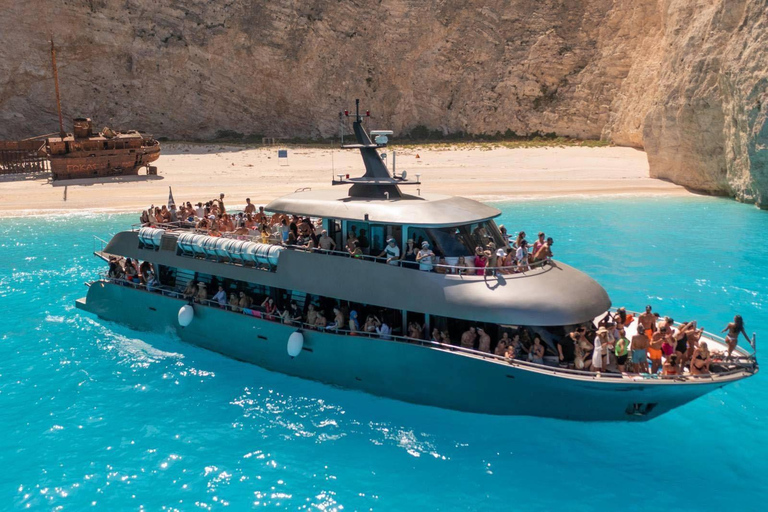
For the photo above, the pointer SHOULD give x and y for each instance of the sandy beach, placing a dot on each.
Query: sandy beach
(202, 171)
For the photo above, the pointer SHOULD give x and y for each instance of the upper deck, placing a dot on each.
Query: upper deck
(428, 210)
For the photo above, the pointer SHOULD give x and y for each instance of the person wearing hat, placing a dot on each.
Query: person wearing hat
(325, 242)
(391, 252)
(425, 257)
(202, 293)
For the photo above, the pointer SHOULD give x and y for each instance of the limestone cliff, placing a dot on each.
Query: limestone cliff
(685, 79)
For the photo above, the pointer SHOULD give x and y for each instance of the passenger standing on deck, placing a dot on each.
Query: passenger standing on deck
(648, 321)
(536, 354)
(484, 340)
(221, 297)
(202, 293)
(384, 330)
(468, 338)
(325, 242)
(566, 349)
(639, 347)
(522, 256)
(734, 329)
(621, 350)
(311, 314)
(409, 256)
(481, 261)
(539, 242)
(425, 257)
(391, 252)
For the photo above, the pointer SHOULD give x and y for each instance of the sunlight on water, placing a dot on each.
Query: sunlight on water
(96, 415)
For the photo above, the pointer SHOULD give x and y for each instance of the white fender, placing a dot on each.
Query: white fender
(186, 314)
(295, 344)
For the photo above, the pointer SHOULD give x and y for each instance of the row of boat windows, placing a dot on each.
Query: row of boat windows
(330, 313)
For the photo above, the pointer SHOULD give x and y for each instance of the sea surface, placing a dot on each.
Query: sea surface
(96, 416)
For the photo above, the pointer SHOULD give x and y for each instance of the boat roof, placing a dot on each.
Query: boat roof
(426, 210)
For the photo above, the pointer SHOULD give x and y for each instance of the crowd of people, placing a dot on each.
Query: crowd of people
(653, 345)
(212, 218)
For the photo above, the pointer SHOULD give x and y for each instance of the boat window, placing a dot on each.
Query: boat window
(362, 232)
(379, 235)
(457, 240)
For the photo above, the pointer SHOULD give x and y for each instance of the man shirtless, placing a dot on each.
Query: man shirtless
(639, 346)
(648, 321)
(468, 338)
(249, 207)
(484, 343)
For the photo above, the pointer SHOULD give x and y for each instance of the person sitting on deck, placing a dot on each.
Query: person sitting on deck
(521, 254)
(221, 297)
(502, 345)
(639, 347)
(269, 307)
(425, 257)
(244, 302)
(671, 366)
(131, 273)
(191, 290)
(325, 242)
(461, 266)
(384, 330)
(544, 252)
(202, 293)
(701, 360)
(234, 303)
(536, 355)
(391, 252)
(442, 266)
(468, 338)
(483, 340)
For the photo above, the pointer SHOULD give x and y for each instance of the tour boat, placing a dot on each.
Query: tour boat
(547, 299)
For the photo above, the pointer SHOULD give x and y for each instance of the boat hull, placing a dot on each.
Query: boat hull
(412, 373)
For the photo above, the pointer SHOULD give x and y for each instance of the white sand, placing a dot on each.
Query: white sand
(201, 171)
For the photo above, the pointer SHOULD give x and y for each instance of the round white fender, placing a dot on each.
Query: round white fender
(295, 344)
(186, 314)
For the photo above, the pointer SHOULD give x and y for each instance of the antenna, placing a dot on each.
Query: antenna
(56, 83)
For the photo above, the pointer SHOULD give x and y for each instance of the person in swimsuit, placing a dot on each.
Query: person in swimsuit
(648, 321)
(671, 367)
(734, 329)
(683, 341)
(621, 349)
(639, 347)
(655, 349)
(701, 360)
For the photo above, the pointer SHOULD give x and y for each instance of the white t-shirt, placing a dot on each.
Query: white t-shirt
(425, 263)
(521, 253)
(392, 253)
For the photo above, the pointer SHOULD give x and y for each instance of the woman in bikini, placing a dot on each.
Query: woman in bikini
(734, 329)
(701, 360)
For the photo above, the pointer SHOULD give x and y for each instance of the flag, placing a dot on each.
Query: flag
(171, 202)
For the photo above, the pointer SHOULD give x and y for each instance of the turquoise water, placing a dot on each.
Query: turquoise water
(95, 415)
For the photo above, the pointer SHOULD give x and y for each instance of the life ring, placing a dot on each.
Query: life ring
(295, 344)
(186, 314)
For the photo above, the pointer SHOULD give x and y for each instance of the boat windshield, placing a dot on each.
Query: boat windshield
(458, 240)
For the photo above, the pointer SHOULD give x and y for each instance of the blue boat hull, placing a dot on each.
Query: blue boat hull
(402, 371)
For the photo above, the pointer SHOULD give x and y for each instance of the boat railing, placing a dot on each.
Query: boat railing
(440, 268)
(259, 311)
(750, 351)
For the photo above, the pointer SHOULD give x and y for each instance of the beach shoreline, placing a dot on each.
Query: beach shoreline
(200, 172)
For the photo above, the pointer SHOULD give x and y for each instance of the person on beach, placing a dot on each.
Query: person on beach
(734, 329)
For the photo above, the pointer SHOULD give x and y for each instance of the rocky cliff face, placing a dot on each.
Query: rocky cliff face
(685, 79)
